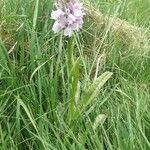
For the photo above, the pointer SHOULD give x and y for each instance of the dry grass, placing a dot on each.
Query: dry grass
(136, 36)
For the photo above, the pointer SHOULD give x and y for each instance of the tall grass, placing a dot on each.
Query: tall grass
(92, 94)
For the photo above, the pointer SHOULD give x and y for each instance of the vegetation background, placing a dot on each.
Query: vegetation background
(34, 87)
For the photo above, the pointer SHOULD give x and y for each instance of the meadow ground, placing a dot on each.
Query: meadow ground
(98, 98)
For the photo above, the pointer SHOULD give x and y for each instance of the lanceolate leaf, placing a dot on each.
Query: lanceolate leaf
(93, 90)
(91, 93)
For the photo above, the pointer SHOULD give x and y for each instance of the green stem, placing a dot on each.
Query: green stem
(70, 61)
(70, 58)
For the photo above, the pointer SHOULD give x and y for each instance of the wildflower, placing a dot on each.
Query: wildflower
(68, 17)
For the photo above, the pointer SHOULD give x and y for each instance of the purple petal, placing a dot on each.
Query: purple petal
(56, 27)
(78, 13)
(71, 18)
(68, 32)
(56, 14)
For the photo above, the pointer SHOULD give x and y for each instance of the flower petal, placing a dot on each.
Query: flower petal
(71, 18)
(56, 27)
(56, 14)
(68, 32)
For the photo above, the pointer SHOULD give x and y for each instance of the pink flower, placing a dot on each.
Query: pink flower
(68, 17)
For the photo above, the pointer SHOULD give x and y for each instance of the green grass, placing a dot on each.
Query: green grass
(49, 101)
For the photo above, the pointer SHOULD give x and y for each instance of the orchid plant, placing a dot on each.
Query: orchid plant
(68, 18)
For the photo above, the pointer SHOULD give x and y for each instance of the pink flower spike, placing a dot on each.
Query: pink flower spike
(68, 16)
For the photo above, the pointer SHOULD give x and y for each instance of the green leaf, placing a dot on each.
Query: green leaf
(93, 90)
(4, 58)
(28, 113)
(35, 14)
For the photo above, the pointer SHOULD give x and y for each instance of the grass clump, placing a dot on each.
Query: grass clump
(91, 94)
